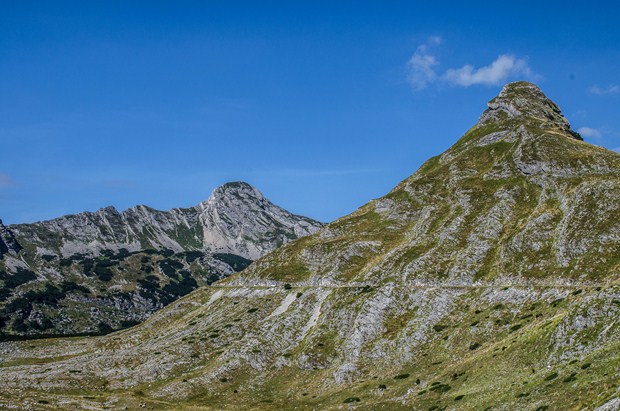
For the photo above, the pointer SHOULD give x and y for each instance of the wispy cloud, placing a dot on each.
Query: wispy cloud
(503, 68)
(6, 181)
(601, 91)
(589, 132)
(617, 149)
(423, 64)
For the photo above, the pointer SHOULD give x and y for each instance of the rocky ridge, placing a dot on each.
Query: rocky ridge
(489, 279)
(236, 219)
(97, 271)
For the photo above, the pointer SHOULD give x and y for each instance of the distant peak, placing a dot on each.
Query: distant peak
(523, 100)
(235, 185)
(235, 188)
(108, 209)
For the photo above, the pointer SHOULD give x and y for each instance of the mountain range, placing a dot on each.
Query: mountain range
(90, 273)
(486, 280)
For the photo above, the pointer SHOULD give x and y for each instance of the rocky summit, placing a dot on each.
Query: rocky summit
(95, 272)
(486, 280)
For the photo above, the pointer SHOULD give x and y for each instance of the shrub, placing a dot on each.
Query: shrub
(459, 397)
(191, 256)
(129, 323)
(166, 252)
(88, 265)
(382, 387)
(557, 302)
(50, 295)
(146, 269)
(103, 272)
(571, 377)
(104, 328)
(474, 346)
(551, 376)
(351, 399)
(287, 286)
(67, 286)
(169, 267)
(19, 304)
(523, 394)
(237, 262)
(401, 376)
(440, 387)
(439, 327)
(515, 327)
(180, 288)
(20, 277)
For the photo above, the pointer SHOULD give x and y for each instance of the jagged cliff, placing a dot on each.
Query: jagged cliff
(486, 280)
(94, 272)
(236, 219)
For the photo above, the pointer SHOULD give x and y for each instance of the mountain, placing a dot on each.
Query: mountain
(95, 272)
(8, 244)
(236, 218)
(486, 280)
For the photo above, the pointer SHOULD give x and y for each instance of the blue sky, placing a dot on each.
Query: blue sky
(321, 105)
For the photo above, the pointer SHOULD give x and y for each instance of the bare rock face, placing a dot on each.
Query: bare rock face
(8, 243)
(236, 219)
(523, 101)
(489, 279)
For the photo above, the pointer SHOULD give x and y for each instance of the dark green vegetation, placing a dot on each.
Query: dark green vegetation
(487, 280)
(139, 283)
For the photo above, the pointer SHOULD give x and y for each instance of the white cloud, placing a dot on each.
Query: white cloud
(504, 67)
(589, 132)
(422, 69)
(5, 180)
(421, 65)
(601, 91)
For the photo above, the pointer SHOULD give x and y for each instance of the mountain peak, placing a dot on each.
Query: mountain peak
(524, 101)
(235, 188)
(235, 207)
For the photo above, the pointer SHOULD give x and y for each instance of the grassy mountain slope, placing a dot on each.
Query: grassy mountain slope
(487, 280)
